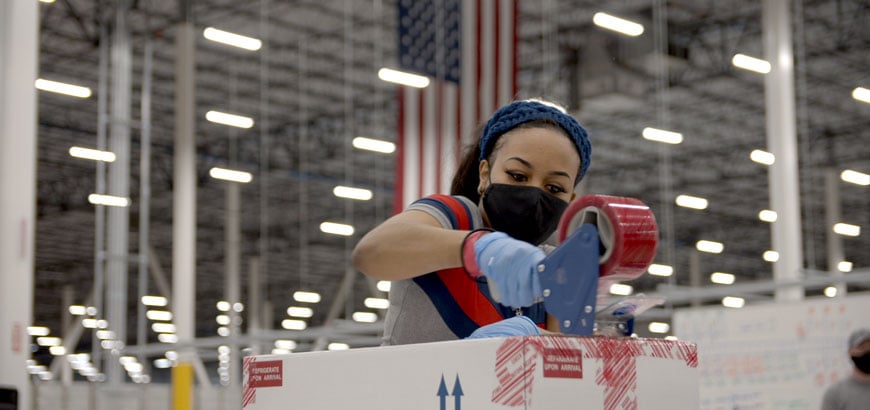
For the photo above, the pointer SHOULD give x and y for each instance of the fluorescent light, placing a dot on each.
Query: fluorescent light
(105, 334)
(855, 177)
(659, 327)
(89, 323)
(108, 200)
(619, 25)
(770, 256)
(861, 94)
(767, 215)
(336, 228)
(660, 270)
(232, 39)
(621, 289)
(384, 285)
(77, 310)
(223, 306)
(844, 266)
(709, 246)
(297, 311)
(57, 350)
(285, 344)
(91, 310)
(167, 338)
(159, 315)
(733, 302)
(231, 175)
(364, 317)
(376, 303)
(163, 327)
(158, 301)
(223, 331)
(672, 338)
(233, 120)
(48, 341)
(92, 154)
(37, 331)
(830, 291)
(338, 346)
(667, 137)
(162, 363)
(280, 351)
(293, 324)
(762, 157)
(102, 323)
(63, 88)
(693, 202)
(306, 297)
(722, 278)
(46, 1)
(847, 229)
(352, 193)
(370, 144)
(403, 78)
(238, 307)
(222, 320)
(171, 355)
(750, 63)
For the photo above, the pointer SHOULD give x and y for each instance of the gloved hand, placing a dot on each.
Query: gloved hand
(512, 265)
(515, 326)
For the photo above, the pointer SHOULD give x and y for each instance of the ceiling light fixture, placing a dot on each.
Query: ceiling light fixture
(336, 228)
(92, 154)
(767, 215)
(733, 302)
(770, 256)
(232, 39)
(293, 324)
(660, 270)
(750, 63)
(619, 25)
(150, 300)
(621, 289)
(830, 291)
(855, 177)
(844, 266)
(659, 327)
(722, 278)
(709, 246)
(384, 285)
(762, 157)
(667, 137)
(232, 120)
(364, 317)
(403, 78)
(306, 297)
(230, 175)
(845, 229)
(359, 194)
(376, 303)
(371, 144)
(861, 94)
(108, 200)
(693, 202)
(298, 311)
(62, 88)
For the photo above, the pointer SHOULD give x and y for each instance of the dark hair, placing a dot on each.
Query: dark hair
(467, 178)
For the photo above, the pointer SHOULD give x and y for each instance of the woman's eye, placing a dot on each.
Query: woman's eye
(517, 177)
(555, 189)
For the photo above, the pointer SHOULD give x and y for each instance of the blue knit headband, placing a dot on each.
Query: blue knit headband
(519, 112)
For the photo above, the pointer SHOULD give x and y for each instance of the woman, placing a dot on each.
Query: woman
(444, 253)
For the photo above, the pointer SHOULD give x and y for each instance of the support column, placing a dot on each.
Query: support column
(695, 274)
(19, 42)
(184, 208)
(832, 216)
(117, 237)
(779, 103)
(231, 286)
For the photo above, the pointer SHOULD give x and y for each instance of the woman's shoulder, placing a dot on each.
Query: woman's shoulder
(458, 212)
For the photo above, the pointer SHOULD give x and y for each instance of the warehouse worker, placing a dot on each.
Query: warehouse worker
(853, 393)
(507, 197)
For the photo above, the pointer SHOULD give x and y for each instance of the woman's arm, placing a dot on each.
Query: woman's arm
(408, 245)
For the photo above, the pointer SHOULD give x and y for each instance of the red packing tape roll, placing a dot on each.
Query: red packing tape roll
(627, 228)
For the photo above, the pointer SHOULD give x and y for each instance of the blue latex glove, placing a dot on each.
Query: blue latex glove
(511, 265)
(515, 326)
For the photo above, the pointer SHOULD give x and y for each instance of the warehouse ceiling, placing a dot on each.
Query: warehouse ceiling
(312, 87)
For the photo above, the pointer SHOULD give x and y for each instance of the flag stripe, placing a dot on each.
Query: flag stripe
(436, 123)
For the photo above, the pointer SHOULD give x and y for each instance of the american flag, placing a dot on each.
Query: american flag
(468, 49)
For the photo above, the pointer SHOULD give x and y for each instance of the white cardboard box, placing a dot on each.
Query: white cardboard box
(540, 372)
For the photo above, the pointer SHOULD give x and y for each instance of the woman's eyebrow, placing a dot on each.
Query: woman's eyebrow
(529, 165)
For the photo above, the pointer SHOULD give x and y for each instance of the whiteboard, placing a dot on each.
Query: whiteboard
(772, 356)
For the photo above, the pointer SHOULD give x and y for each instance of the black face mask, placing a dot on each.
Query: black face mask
(862, 363)
(523, 212)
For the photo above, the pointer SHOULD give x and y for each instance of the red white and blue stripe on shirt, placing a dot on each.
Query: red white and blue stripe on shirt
(463, 302)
